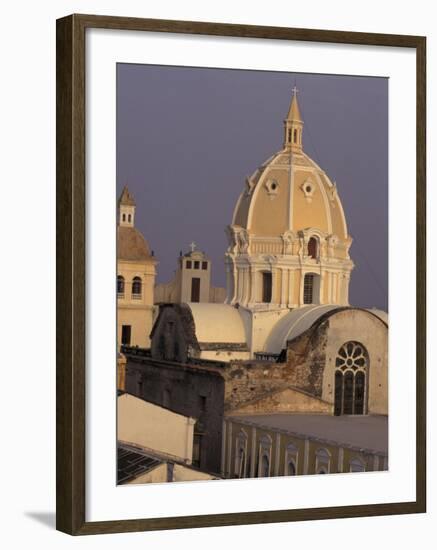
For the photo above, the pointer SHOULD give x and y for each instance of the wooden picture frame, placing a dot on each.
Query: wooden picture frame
(71, 253)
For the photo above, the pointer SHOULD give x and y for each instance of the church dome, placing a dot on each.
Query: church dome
(290, 192)
(288, 239)
(131, 245)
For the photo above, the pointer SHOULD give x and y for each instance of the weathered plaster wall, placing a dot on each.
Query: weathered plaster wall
(147, 425)
(187, 390)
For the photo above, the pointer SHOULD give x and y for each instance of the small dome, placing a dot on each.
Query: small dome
(131, 245)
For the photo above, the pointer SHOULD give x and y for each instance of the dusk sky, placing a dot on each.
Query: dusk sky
(188, 137)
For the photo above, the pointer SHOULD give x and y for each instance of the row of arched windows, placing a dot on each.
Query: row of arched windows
(129, 217)
(263, 469)
(311, 287)
(136, 288)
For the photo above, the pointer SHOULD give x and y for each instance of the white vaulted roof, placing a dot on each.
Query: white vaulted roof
(298, 320)
(295, 323)
(218, 323)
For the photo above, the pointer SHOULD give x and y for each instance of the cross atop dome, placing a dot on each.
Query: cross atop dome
(294, 90)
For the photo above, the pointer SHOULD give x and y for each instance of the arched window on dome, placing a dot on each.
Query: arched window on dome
(136, 288)
(120, 286)
(313, 248)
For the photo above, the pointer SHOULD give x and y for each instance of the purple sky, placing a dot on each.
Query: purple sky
(188, 137)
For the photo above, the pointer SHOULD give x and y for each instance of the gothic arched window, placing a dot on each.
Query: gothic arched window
(351, 371)
(136, 287)
(120, 286)
(323, 461)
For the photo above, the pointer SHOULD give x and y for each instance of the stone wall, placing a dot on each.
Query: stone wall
(246, 381)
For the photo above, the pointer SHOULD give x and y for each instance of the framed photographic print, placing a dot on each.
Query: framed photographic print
(240, 274)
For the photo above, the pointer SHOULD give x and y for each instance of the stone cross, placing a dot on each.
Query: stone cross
(193, 246)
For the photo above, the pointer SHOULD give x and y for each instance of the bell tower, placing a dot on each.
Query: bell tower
(126, 209)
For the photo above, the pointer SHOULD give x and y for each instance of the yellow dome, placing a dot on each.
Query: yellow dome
(288, 240)
(290, 192)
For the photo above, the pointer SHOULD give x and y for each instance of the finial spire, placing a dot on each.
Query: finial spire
(126, 208)
(293, 111)
(293, 124)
